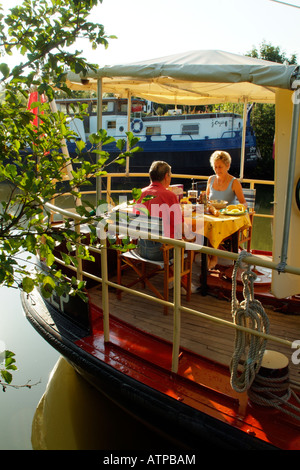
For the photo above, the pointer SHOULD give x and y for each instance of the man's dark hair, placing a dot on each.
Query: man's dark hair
(158, 170)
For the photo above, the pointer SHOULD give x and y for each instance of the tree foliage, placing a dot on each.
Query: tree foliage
(272, 53)
(263, 115)
(32, 164)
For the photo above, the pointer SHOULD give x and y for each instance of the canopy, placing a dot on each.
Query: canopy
(208, 77)
(195, 77)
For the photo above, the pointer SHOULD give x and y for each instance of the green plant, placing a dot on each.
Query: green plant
(32, 165)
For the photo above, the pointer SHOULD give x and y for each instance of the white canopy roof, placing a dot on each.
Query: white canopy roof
(196, 77)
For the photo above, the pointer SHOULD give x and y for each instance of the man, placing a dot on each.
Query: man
(163, 204)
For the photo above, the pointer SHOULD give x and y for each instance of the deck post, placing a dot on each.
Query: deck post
(177, 305)
(105, 295)
(243, 145)
(128, 128)
(290, 186)
(78, 258)
(99, 126)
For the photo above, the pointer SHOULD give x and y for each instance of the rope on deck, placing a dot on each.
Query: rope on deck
(275, 392)
(249, 349)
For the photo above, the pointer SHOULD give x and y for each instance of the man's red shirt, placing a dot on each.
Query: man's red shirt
(164, 205)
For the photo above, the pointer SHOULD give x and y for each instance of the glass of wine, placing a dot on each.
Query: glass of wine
(193, 195)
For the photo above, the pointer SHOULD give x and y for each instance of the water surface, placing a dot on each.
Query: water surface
(35, 359)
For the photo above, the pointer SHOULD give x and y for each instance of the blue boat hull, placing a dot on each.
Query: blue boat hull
(184, 156)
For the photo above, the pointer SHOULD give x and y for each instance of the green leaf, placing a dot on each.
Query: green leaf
(136, 193)
(9, 354)
(27, 284)
(4, 69)
(30, 242)
(7, 376)
(50, 258)
(66, 258)
(49, 281)
(120, 161)
(121, 144)
(80, 145)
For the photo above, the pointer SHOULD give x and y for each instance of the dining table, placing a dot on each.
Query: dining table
(215, 230)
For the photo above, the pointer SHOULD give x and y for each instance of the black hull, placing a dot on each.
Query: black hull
(184, 427)
(190, 162)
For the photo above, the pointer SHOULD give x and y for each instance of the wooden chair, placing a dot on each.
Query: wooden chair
(246, 234)
(146, 269)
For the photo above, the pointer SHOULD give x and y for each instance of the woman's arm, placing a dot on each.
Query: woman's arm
(208, 187)
(238, 190)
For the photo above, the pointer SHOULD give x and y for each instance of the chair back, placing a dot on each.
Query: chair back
(142, 223)
(250, 198)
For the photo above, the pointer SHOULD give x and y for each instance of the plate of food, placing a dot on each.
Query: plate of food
(234, 209)
(218, 203)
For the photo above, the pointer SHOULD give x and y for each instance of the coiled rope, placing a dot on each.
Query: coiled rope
(249, 349)
(276, 393)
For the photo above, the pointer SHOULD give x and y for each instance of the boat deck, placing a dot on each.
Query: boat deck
(199, 335)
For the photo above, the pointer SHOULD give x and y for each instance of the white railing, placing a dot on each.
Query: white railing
(176, 304)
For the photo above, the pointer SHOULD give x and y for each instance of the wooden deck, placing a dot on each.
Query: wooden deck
(199, 335)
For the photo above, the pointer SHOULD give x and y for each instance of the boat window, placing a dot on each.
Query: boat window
(94, 108)
(121, 107)
(110, 107)
(153, 130)
(111, 124)
(63, 108)
(74, 108)
(228, 135)
(190, 129)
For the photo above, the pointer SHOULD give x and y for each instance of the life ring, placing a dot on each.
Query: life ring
(297, 194)
(137, 125)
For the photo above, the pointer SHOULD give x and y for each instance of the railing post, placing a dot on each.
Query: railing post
(108, 189)
(78, 259)
(105, 297)
(177, 305)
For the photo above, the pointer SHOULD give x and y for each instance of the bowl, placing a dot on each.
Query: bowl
(218, 203)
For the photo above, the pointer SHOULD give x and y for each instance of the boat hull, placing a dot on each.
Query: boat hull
(181, 425)
(185, 157)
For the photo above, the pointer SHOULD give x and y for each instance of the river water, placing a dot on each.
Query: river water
(61, 411)
(35, 359)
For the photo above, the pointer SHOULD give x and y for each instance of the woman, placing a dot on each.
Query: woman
(222, 185)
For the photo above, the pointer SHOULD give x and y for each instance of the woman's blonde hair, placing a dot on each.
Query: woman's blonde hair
(220, 155)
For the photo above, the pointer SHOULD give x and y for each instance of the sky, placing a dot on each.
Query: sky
(148, 29)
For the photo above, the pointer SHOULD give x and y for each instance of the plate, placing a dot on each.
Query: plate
(218, 203)
(224, 212)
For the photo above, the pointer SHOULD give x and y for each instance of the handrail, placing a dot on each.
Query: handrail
(176, 304)
(109, 191)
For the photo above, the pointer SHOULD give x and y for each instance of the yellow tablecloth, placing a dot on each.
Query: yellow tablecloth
(218, 228)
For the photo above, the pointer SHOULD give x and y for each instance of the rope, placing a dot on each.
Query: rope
(264, 391)
(249, 349)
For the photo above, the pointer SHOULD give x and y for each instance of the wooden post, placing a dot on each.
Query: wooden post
(177, 304)
(105, 296)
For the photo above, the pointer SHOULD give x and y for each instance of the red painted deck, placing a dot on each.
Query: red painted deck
(200, 383)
